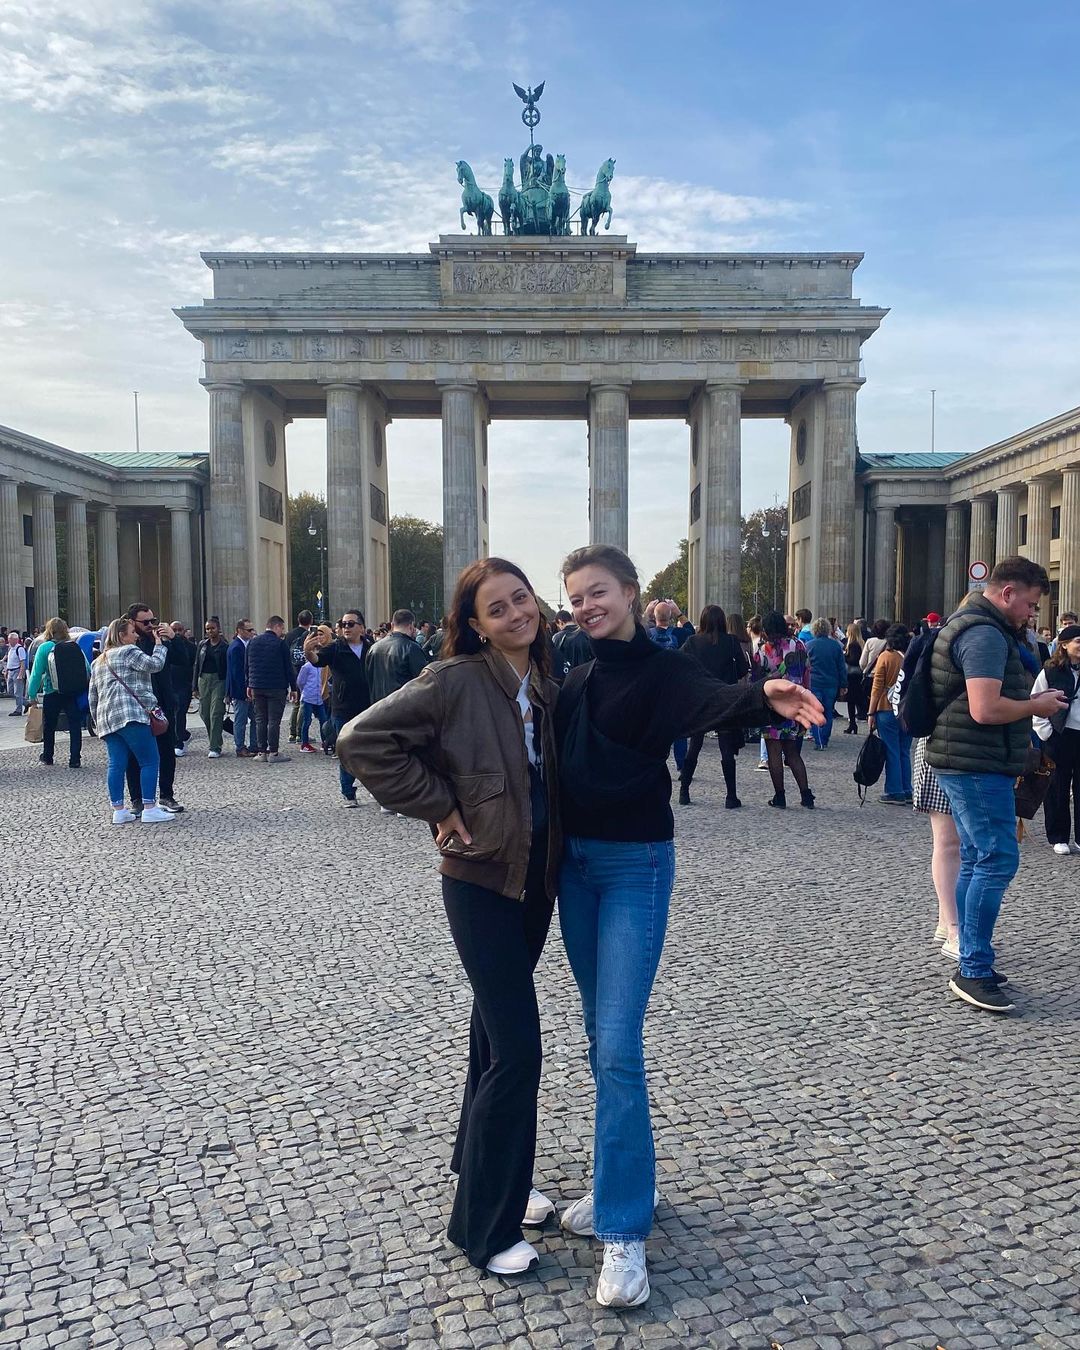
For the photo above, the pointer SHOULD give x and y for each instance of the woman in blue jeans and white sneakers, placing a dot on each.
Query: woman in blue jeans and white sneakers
(615, 722)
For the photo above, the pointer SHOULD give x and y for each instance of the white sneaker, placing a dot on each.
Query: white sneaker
(156, 815)
(538, 1209)
(578, 1217)
(1062, 850)
(951, 950)
(1074, 848)
(385, 811)
(179, 752)
(940, 933)
(123, 816)
(213, 754)
(624, 1280)
(515, 1260)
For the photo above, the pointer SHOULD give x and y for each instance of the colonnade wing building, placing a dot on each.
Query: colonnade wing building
(130, 527)
(572, 327)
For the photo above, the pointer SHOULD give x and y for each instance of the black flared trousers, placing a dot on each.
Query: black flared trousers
(1063, 799)
(499, 941)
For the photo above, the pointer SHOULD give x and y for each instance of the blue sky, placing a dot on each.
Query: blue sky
(938, 139)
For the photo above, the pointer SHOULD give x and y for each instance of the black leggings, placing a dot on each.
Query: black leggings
(854, 698)
(727, 761)
(789, 753)
(499, 941)
(1063, 799)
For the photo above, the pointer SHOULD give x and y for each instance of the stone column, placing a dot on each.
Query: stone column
(150, 566)
(181, 591)
(12, 594)
(956, 557)
(46, 598)
(107, 599)
(462, 535)
(1038, 521)
(935, 566)
(609, 464)
(884, 604)
(231, 563)
(836, 545)
(981, 546)
(130, 561)
(1069, 568)
(1008, 523)
(722, 473)
(78, 564)
(345, 579)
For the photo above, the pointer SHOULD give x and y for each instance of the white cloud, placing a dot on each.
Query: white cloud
(272, 161)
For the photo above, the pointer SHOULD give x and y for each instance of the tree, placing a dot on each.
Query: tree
(306, 568)
(764, 557)
(416, 567)
(673, 581)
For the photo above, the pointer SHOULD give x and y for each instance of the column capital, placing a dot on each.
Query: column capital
(854, 382)
(718, 385)
(609, 386)
(466, 386)
(885, 510)
(1070, 469)
(1010, 490)
(349, 386)
(215, 386)
(179, 510)
(42, 492)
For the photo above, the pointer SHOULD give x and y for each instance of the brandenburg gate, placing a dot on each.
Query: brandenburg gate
(535, 322)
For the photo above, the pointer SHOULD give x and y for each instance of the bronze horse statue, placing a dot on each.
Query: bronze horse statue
(474, 202)
(597, 202)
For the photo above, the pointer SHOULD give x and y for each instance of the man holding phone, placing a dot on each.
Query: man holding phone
(145, 623)
(346, 657)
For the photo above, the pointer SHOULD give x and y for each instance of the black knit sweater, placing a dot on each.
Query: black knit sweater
(645, 697)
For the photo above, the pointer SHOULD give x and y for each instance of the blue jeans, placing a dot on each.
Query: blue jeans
(613, 908)
(307, 711)
(826, 695)
(346, 779)
(244, 719)
(897, 743)
(984, 809)
(138, 739)
(679, 751)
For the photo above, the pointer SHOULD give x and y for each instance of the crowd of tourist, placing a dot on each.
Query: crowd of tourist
(538, 755)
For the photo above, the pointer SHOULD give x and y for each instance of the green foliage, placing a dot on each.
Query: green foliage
(306, 568)
(416, 567)
(672, 582)
(759, 552)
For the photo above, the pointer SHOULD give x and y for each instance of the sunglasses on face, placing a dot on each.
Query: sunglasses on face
(151, 620)
(349, 623)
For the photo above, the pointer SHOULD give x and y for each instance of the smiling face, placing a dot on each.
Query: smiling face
(602, 607)
(506, 614)
(1073, 649)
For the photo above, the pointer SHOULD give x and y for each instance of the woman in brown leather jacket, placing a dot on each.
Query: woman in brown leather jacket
(468, 746)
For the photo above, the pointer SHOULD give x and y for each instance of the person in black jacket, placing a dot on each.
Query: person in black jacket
(350, 695)
(395, 659)
(183, 650)
(615, 721)
(724, 658)
(271, 681)
(165, 685)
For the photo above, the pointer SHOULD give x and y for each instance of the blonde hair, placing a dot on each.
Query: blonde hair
(612, 560)
(112, 637)
(854, 633)
(56, 630)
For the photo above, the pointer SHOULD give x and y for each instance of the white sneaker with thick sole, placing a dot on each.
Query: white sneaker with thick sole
(156, 815)
(1062, 850)
(940, 933)
(538, 1210)
(516, 1260)
(213, 754)
(624, 1279)
(578, 1217)
(951, 951)
(123, 816)
(179, 752)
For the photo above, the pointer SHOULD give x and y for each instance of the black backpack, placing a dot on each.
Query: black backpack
(870, 764)
(917, 709)
(569, 648)
(67, 669)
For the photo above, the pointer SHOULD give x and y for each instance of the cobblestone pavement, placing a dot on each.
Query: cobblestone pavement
(232, 1047)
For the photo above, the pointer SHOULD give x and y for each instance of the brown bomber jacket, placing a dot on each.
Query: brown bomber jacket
(453, 738)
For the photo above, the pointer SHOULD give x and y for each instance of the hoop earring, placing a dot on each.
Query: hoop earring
(483, 639)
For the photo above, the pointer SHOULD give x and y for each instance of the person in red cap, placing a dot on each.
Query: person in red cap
(934, 620)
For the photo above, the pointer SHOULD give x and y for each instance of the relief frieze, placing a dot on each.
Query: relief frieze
(541, 278)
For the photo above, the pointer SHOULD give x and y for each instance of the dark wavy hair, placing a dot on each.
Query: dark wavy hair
(712, 624)
(462, 639)
(775, 626)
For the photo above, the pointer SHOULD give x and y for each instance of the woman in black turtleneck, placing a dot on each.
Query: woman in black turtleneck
(615, 721)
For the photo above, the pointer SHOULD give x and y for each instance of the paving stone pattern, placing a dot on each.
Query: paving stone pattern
(232, 1049)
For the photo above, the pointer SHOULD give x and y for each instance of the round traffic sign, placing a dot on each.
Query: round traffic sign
(978, 571)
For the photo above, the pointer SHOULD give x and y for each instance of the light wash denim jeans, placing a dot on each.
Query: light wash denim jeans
(984, 809)
(137, 739)
(244, 720)
(613, 908)
(897, 743)
(826, 696)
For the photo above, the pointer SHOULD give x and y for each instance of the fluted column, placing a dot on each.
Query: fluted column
(344, 501)
(228, 499)
(982, 538)
(78, 564)
(884, 606)
(150, 565)
(462, 538)
(609, 464)
(1008, 523)
(1038, 521)
(107, 605)
(722, 474)
(956, 556)
(46, 599)
(130, 584)
(181, 591)
(835, 589)
(12, 594)
(1069, 570)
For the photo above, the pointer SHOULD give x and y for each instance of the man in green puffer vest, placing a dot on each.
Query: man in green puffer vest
(981, 676)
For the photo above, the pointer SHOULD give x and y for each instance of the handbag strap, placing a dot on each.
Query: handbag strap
(134, 695)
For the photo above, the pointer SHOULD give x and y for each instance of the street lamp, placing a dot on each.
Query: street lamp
(775, 547)
(315, 532)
